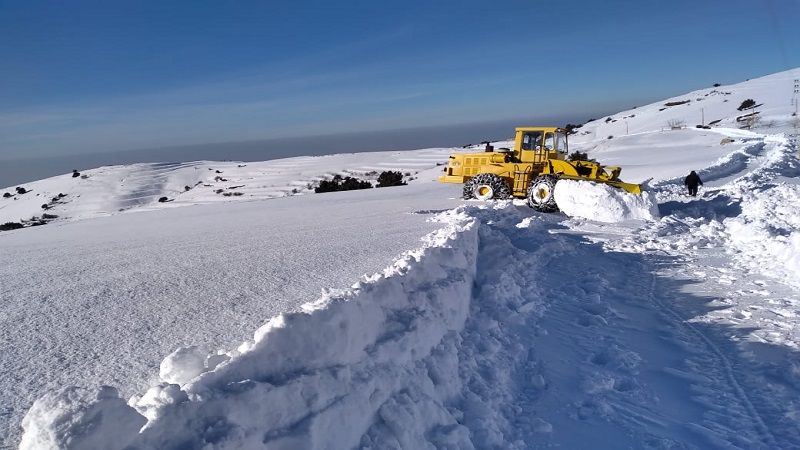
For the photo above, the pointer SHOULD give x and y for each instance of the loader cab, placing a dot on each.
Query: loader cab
(537, 145)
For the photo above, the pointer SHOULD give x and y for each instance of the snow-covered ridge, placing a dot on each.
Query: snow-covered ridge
(342, 359)
(714, 106)
(138, 187)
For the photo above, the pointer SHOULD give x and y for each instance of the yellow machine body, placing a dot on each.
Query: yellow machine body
(537, 151)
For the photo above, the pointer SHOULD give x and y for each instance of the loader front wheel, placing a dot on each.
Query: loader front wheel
(486, 186)
(541, 193)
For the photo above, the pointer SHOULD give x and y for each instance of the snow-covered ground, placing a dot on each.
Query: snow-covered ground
(612, 327)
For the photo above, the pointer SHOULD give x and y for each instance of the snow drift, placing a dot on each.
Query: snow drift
(765, 235)
(603, 203)
(345, 358)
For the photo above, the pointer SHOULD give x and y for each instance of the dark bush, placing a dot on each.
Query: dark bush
(388, 178)
(49, 216)
(11, 226)
(21, 190)
(6, 195)
(749, 103)
(677, 103)
(75, 173)
(578, 156)
(609, 119)
(717, 85)
(187, 188)
(342, 184)
(45, 206)
(163, 199)
(571, 127)
(611, 137)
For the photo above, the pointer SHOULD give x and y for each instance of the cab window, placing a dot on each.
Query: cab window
(532, 140)
(561, 142)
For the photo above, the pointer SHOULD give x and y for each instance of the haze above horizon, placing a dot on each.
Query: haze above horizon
(85, 77)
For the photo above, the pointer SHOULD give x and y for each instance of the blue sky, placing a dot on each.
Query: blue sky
(83, 76)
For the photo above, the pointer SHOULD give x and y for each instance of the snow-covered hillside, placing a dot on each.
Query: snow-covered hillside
(501, 328)
(138, 187)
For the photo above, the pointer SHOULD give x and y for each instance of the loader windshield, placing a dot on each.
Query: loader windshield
(532, 140)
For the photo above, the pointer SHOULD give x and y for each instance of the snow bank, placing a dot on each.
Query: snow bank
(350, 358)
(81, 419)
(603, 203)
(767, 233)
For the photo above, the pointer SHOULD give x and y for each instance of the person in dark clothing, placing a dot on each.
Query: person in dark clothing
(691, 182)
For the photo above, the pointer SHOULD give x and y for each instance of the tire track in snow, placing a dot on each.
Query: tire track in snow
(725, 363)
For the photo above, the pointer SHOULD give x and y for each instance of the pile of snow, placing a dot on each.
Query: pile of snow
(603, 203)
(72, 411)
(345, 359)
(767, 233)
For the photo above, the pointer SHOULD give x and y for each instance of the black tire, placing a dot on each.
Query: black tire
(541, 193)
(486, 186)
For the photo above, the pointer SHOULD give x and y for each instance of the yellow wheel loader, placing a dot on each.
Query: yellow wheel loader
(530, 170)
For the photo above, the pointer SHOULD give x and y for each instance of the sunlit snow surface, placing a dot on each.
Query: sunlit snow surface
(503, 328)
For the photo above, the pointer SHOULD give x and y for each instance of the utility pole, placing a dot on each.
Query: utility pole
(795, 117)
(626, 128)
(796, 91)
(703, 116)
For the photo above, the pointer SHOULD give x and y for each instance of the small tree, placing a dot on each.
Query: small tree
(341, 184)
(676, 124)
(388, 178)
(578, 156)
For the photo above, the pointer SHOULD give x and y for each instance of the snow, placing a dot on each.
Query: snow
(603, 203)
(615, 325)
(109, 421)
(104, 300)
(342, 358)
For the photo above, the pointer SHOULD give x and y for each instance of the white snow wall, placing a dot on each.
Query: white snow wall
(317, 379)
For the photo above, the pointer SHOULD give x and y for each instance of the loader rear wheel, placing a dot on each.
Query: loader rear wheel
(486, 186)
(541, 193)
